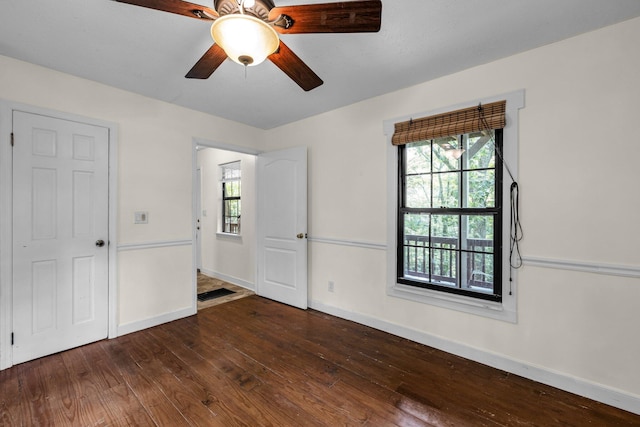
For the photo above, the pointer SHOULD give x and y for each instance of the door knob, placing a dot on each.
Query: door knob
(99, 243)
(301, 235)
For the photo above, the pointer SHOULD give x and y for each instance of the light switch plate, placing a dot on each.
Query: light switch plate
(141, 217)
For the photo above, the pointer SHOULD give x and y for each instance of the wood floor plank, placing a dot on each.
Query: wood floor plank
(297, 396)
(37, 407)
(121, 403)
(233, 391)
(151, 400)
(340, 351)
(11, 396)
(211, 357)
(293, 380)
(86, 380)
(5, 416)
(100, 397)
(179, 381)
(254, 362)
(317, 367)
(70, 405)
(312, 365)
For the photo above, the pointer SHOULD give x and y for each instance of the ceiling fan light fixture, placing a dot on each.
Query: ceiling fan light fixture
(245, 39)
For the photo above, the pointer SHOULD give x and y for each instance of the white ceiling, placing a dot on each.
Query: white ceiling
(149, 52)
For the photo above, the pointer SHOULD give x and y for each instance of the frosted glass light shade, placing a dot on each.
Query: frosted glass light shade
(245, 39)
(454, 153)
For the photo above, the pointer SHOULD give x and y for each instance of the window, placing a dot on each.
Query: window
(450, 214)
(462, 255)
(231, 189)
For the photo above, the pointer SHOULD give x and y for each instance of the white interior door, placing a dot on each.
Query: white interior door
(282, 226)
(60, 218)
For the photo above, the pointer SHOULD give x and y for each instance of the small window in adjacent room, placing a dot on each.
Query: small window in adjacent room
(231, 188)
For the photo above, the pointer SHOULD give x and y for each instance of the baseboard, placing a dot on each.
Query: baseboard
(155, 321)
(581, 387)
(233, 280)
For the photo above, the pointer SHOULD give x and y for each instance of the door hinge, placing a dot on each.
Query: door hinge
(12, 139)
(11, 338)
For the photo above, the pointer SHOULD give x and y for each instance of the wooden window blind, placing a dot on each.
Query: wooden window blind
(451, 124)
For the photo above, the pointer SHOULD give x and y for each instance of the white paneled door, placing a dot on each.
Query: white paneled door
(282, 226)
(60, 235)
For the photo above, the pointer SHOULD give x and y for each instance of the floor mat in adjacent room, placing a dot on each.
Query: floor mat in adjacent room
(216, 293)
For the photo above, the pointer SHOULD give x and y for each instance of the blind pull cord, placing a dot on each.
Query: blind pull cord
(515, 231)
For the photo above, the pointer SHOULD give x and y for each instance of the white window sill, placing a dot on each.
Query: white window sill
(490, 309)
(230, 236)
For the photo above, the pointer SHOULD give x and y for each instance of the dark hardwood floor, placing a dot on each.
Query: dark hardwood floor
(254, 362)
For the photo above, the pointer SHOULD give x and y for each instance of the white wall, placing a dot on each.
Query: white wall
(579, 149)
(154, 175)
(231, 258)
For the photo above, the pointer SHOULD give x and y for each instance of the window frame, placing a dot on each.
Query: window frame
(496, 211)
(505, 310)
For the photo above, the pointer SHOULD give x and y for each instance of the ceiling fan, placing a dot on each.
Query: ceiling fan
(246, 31)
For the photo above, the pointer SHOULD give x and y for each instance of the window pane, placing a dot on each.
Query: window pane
(416, 224)
(478, 258)
(418, 191)
(231, 171)
(444, 266)
(480, 151)
(443, 154)
(445, 227)
(231, 219)
(232, 208)
(232, 189)
(418, 157)
(444, 246)
(446, 190)
(480, 189)
(479, 272)
(416, 246)
(479, 235)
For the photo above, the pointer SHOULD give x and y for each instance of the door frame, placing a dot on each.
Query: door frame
(6, 212)
(198, 195)
(198, 144)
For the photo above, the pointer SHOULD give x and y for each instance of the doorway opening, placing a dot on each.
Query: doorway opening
(278, 240)
(224, 256)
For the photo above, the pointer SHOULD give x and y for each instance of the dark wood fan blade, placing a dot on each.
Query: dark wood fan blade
(295, 68)
(340, 17)
(180, 7)
(209, 62)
